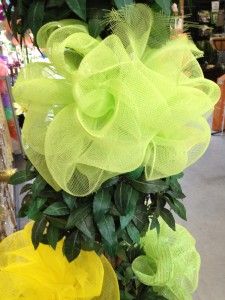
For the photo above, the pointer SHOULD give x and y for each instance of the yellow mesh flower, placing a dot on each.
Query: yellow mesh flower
(171, 262)
(106, 107)
(46, 274)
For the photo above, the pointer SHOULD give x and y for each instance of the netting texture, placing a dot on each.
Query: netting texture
(46, 274)
(106, 107)
(171, 262)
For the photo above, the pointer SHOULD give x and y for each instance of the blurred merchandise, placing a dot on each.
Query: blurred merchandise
(218, 123)
(204, 16)
(7, 207)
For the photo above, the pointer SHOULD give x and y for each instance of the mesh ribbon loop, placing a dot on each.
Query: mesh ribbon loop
(106, 107)
(171, 262)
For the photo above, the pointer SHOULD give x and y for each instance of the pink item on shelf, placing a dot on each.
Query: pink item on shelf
(4, 71)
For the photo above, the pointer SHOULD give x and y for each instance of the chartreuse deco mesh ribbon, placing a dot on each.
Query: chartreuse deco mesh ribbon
(171, 262)
(106, 107)
(46, 274)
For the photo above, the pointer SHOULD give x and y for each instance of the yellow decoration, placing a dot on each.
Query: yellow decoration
(6, 174)
(45, 274)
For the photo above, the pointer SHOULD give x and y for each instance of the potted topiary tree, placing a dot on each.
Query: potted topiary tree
(110, 126)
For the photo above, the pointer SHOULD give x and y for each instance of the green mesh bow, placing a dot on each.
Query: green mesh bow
(170, 264)
(106, 107)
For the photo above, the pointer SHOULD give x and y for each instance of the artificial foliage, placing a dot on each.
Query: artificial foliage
(25, 14)
(111, 221)
(111, 123)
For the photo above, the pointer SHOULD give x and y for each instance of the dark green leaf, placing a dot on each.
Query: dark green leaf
(38, 230)
(109, 249)
(141, 219)
(69, 200)
(57, 209)
(90, 245)
(178, 207)
(21, 8)
(126, 295)
(21, 177)
(26, 202)
(101, 204)
(106, 227)
(178, 176)
(121, 3)
(36, 15)
(71, 246)
(25, 188)
(161, 202)
(53, 14)
(29, 167)
(82, 219)
(133, 232)
(155, 225)
(35, 208)
(110, 182)
(130, 198)
(125, 220)
(119, 197)
(53, 235)
(145, 187)
(121, 253)
(78, 215)
(134, 252)
(165, 5)
(168, 218)
(95, 27)
(114, 211)
(125, 237)
(129, 274)
(87, 226)
(135, 174)
(57, 222)
(146, 293)
(78, 7)
(176, 194)
(176, 190)
(38, 185)
(126, 200)
(14, 24)
(55, 3)
(44, 239)
(49, 193)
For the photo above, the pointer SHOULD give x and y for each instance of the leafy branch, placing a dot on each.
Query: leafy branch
(111, 220)
(26, 15)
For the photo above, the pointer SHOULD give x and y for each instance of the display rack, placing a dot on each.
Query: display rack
(7, 206)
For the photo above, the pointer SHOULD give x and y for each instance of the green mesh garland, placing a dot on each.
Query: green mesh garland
(170, 264)
(105, 107)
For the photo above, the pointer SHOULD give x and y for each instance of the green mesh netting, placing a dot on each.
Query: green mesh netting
(105, 107)
(170, 264)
